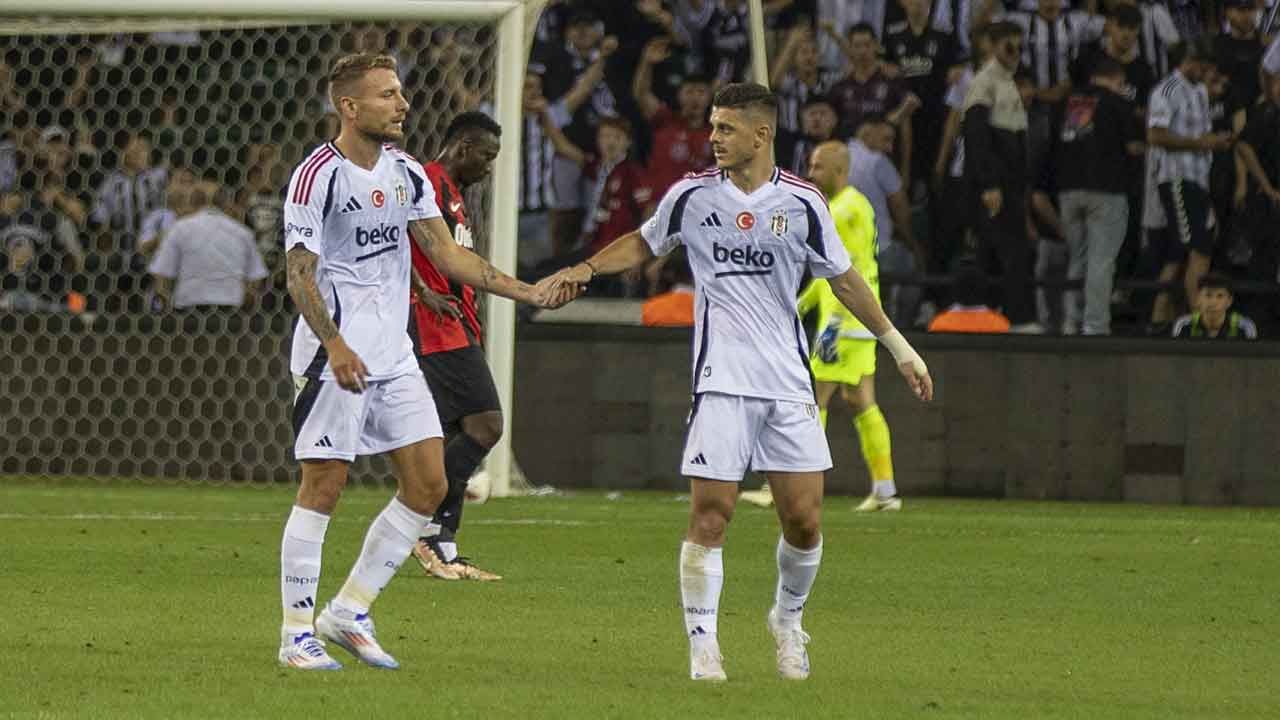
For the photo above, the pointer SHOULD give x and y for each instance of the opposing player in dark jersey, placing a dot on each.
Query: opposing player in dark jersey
(445, 328)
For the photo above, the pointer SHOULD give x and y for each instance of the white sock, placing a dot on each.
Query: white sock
(797, 569)
(701, 578)
(300, 553)
(885, 489)
(386, 545)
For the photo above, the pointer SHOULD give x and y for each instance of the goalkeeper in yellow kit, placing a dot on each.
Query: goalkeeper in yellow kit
(844, 353)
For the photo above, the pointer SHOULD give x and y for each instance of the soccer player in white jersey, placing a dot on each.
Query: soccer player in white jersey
(751, 231)
(352, 208)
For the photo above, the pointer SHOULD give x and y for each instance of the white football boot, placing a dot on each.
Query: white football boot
(354, 633)
(705, 661)
(305, 652)
(793, 659)
(875, 503)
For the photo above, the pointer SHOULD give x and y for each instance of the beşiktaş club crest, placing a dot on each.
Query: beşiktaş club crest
(778, 223)
(402, 194)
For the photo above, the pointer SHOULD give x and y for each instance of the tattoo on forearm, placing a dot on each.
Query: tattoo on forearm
(487, 275)
(301, 264)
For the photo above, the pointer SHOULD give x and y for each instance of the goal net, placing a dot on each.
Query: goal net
(113, 123)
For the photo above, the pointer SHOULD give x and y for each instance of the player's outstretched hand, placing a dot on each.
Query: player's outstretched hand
(444, 306)
(348, 369)
(555, 291)
(917, 376)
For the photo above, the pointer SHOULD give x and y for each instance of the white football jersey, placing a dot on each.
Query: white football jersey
(356, 220)
(748, 254)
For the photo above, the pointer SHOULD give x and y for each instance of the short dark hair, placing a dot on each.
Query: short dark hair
(748, 96)
(1126, 16)
(696, 79)
(815, 100)
(472, 120)
(582, 16)
(1004, 30)
(1107, 68)
(349, 69)
(1196, 49)
(871, 119)
(861, 29)
(1214, 281)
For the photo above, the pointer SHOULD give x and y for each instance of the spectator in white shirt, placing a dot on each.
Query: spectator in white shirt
(206, 259)
(178, 197)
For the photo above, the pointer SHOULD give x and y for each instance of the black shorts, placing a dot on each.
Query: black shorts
(1187, 217)
(461, 383)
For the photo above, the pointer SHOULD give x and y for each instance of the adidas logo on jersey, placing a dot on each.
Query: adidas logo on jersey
(324, 442)
(352, 205)
(711, 220)
(698, 460)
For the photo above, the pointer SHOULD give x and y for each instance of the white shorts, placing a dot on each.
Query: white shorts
(731, 434)
(330, 423)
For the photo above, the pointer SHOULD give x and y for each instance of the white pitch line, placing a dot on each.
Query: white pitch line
(253, 518)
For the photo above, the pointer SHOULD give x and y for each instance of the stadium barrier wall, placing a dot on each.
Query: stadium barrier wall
(208, 399)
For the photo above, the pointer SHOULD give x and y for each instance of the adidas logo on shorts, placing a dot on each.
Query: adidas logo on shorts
(324, 442)
(698, 460)
(711, 220)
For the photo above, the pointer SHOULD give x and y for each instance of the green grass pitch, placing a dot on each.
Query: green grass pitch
(133, 601)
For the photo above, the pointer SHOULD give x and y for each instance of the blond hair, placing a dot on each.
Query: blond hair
(351, 69)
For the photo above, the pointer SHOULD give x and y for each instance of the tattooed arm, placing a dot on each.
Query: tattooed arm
(348, 369)
(460, 264)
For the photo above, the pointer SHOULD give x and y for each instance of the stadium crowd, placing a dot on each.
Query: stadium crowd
(1009, 136)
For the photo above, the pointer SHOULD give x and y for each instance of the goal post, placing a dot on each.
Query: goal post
(327, 21)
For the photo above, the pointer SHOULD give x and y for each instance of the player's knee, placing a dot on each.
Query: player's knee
(485, 428)
(804, 533)
(423, 498)
(707, 527)
(802, 527)
(322, 484)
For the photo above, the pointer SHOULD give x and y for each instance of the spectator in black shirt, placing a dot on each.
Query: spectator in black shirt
(583, 55)
(817, 125)
(1257, 196)
(1239, 51)
(1228, 117)
(1120, 44)
(1098, 132)
(923, 56)
(726, 43)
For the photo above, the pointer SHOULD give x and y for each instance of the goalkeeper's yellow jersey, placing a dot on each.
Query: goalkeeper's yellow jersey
(856, 223)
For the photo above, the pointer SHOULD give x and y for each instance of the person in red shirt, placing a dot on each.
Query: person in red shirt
(445, 329)
(681, 140)
(619, 192)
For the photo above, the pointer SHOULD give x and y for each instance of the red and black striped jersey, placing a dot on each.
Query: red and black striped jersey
(430, 332)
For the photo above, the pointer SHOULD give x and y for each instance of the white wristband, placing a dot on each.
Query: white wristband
(902, 351)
